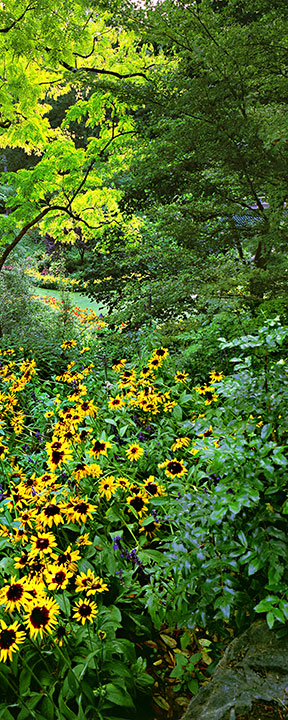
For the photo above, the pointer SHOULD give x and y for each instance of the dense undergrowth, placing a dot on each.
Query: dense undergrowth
(139, 501)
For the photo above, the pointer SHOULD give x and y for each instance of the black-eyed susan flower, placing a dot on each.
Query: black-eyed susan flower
(68, 344)
(139, 503)
(20, 535)
(61, 635)
(175, 468)
(10, 639)
(123, 483)
(99, 447)
(83, 540)
(169, 405)
(119, 364)
(15, 594)
(107, 487)
(161, 352)
(84, 580)
(57, 578)
(78, 510)
(87, 407)
(84, 434)
(27, 517)
(116, 403)
(85, 610)
(52, 514)
(180, 443)
(155, 362)
(134, 452)
(150, 528)
(153, 488)
(127, 378)
(3, 451)
(97, 586)
(42, 544)
(58, 452)
(181, 377)
(216, 376)
(206, 433)
(146, 372)
(67, 559)
(22, 561)
(41, 617)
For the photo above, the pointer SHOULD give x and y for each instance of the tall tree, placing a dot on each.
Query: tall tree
(212, 166)
(49, 50)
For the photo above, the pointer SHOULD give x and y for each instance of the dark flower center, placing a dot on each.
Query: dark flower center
(83, 434)
(63, 558)
(39, 616)
(85, 406)
(137, 503)
(57, 456)
(81, 508)
(59, 577)
(152, 488)
(7, 638)
(80, 466)
(98, 446)
(51, 510)
(85, 610)
(56, 445)
(42, 543)
(174, 467)
(15, 592)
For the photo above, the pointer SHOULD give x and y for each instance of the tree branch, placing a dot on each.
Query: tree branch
(102, 71)
(10, 27)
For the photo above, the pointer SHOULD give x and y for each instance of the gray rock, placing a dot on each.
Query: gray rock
(254, 668)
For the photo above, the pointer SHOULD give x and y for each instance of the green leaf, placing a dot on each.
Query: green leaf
(118, 696)
(255, 565)
(177, 412)
(270, 619)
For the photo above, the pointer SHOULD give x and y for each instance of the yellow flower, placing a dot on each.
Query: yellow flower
(42, 544)
(99, 447)
(107, 487)
(180, 443)
(57, 578)
(41, 616)
(174, 468)
(14, 595)
(78, 510)
(215, 376)
(134, 452)
(138, 502)
(68, 344)
(10, 638)
(181, 377)
(116, 403)
(83, 540)
(85, 610)
(119, 365)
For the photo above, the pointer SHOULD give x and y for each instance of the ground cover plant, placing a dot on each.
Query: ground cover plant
(136, 503)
